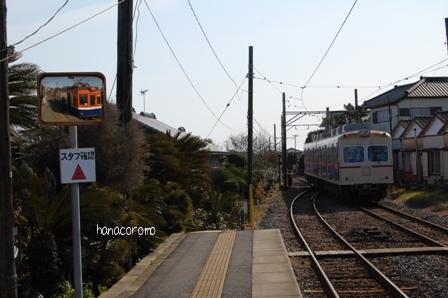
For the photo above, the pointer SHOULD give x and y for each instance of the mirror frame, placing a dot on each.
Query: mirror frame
(66, 74)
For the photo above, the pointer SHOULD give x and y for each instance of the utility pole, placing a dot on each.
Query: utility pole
(295, 142)
(125, 62)
(275, 138)
(356, 107)
(8, 277)
(390, 115)
(284, 157)
(250, 114)
(327, 116)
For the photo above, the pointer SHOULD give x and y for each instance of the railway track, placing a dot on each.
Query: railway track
(346, 276)
(429, 232)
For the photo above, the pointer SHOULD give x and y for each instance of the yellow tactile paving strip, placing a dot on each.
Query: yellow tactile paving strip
(213, 275)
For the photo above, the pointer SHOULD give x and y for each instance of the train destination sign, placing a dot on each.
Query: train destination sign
(71, 98)
(77, 165)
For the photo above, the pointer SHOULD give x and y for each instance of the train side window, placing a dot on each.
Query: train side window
(92, 100)
(82, 99)
(353, 154)
(377, 153)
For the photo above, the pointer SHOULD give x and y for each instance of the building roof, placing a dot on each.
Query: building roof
(422, 122)
(426, 87)
(443, 116)
(150, 122)
(401, 124)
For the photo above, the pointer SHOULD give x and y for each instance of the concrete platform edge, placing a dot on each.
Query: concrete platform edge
(269, 252)
(134, 279)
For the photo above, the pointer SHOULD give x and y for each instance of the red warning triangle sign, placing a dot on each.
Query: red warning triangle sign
(78, 174)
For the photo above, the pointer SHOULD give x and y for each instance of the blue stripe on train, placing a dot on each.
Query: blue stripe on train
(87, 113)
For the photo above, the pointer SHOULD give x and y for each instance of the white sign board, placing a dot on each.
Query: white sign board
(77, 165)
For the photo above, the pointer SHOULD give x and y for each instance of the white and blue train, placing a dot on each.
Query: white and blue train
(352, 159)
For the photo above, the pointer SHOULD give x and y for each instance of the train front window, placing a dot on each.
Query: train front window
(377, 153)
(98, 100)
(353, 154)
(82, 99)
(92, 100)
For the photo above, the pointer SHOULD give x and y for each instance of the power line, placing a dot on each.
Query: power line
(261, 127)
(331, 44)
(182, 68)
(210, 44)
(222, 66)
(43, 25)
(63, 31)
(338, 86)
(420, 72)
(267, 80)
(136, 11)
(227, 106)
(220, 63)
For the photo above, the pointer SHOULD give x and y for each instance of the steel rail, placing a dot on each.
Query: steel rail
(420, 220)
(324, 278)
(404, 228)
(383, 279)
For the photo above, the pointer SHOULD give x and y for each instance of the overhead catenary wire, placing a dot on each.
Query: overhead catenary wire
(182, 68)
(227, 106)
(331, 44)
(63, 31)
(219, 61)
(336, 86)
(420, 72)
(210, 44)
(261, 127)
(43, 25)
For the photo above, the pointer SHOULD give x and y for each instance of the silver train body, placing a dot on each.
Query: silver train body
(353, 160)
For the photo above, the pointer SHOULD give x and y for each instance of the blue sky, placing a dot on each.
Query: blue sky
(382, 41)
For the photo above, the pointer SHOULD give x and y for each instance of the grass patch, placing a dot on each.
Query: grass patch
(435, 198)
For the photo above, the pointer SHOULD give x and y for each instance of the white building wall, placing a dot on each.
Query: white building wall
(413, 163)
(423, 103)
(410, 133)
(444, 163)
(406, 103)
(433, 142)
(384, 126)
(400, 161)
(434, 127)
(398, 132)
(396, 144)
(425, 164)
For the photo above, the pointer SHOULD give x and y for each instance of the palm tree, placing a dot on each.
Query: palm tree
(22, 80)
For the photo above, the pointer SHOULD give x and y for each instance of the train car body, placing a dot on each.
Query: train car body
(353, 159)
(83, 102)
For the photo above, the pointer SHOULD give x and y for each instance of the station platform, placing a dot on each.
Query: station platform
(213, 264)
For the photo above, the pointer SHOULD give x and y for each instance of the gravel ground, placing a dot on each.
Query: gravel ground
(430, 272)
(424, 214)
(433, 233)
(277, 217)
(361, 230)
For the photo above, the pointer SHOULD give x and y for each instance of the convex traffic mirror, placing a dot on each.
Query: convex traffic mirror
(71, 98)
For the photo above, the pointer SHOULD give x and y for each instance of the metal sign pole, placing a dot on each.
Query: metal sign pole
(76, 224)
